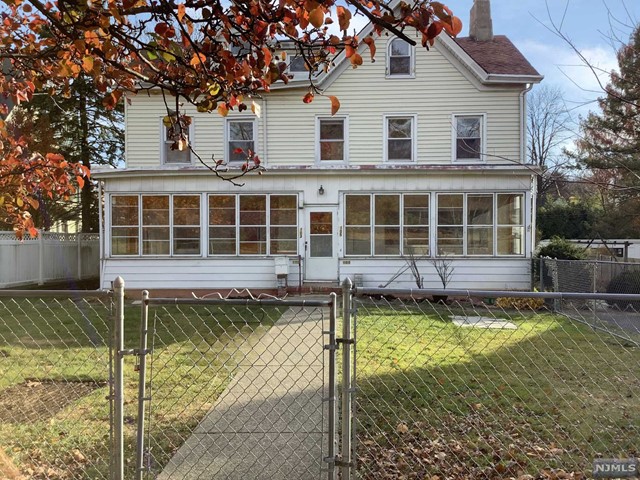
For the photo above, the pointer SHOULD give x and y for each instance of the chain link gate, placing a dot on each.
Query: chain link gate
(236, 388)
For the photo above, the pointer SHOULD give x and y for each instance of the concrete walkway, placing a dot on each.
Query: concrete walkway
(269, 422)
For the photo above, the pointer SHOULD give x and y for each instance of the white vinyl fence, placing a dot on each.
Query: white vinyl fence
(49, 257)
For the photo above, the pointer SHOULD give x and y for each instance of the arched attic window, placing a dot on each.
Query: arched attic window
(400, 59)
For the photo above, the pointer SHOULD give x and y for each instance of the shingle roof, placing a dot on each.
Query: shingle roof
(497, 56)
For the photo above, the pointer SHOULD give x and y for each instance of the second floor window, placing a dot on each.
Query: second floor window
(399, 59)
(171, 154)
(240, 139)
(400, 138)
(468, 137)
(331, 141)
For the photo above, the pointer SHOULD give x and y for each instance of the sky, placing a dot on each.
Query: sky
(595, 27)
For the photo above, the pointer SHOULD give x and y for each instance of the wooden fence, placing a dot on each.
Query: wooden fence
(49, 257)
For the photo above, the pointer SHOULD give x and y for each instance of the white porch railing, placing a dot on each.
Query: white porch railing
(49, 257)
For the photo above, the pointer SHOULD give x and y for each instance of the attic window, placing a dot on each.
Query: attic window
(399, 59)
(297, 65)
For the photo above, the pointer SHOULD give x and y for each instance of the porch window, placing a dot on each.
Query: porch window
(392, 224)
(222, 225)
(284, 224)
(167, 225)
(468, 137)
(387, 225)
(450, 224)
(253, 224)
(358, 225)
(481, 224)
(155, 225)
(399, 59)
(186, 224)
(510, 224)
(240, 135)
(331, 140)
(416, 225)
(125, 234)
(400, 138)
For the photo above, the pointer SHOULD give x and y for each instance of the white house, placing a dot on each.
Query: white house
(427, 153)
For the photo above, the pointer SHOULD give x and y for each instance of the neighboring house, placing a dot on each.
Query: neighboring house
(426, 153)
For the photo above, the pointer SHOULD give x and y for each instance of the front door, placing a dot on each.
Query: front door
(321, 258)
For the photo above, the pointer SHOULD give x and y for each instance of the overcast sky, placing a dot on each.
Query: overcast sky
(589, 24)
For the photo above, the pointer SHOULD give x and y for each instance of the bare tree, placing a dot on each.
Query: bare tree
(549, 126)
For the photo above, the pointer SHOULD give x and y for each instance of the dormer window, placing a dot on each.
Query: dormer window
(399, 59)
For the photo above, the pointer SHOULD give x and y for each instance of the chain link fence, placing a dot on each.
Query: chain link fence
(477, 385)
(55, 372)
(236, 389)
(586, 276)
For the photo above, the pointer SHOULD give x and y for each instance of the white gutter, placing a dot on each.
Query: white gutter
(265, 131)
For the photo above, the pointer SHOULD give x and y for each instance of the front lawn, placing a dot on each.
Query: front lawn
(436, 400)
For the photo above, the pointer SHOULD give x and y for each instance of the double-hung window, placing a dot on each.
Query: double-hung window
(253, 224)
(400, 138)
(399, 59)
(240, 139)
(386, 224)
(171, 135)
(480, 224)
(468, 133)
(151, 225)
(331, 135)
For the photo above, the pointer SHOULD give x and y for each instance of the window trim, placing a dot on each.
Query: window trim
(227, 136)
(414, 134)
(454, 138)
(345, 132)
(163, 145)
(140, 225)
(412, 61)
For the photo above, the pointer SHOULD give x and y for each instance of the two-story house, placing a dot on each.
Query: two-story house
(426, 154)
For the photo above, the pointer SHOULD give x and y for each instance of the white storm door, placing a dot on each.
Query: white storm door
(321, 256)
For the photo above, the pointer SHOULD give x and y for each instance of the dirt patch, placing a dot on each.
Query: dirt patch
(38, 400)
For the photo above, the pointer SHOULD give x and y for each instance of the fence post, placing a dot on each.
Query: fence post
(541, 273)
(79, 244)
(347, 390)
(118, 380)
(40, 257)
(142, 356)
(332, 347)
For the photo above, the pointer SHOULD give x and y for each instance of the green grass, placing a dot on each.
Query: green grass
(437, 399)
(195, 350)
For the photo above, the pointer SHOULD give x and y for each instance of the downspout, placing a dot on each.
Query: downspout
(523, 159)
(265, 131)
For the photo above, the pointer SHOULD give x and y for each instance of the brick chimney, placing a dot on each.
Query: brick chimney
(481, 26)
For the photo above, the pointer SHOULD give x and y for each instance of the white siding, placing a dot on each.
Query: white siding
(468, 274)
(438, 90)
